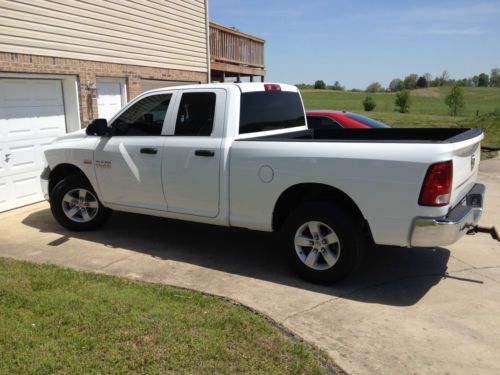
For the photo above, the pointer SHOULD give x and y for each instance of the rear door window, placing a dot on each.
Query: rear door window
(196, 114)
(270, 110)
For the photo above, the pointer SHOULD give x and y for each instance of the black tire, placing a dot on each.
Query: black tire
(348, 251)
(67, 185)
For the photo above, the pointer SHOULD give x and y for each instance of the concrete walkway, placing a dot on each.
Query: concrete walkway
(399, 314)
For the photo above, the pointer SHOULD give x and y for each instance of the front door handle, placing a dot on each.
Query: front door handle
(150, 151)
(206, 153)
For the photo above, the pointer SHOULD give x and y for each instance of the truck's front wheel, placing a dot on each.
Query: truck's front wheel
(323, 241)
(75, 205)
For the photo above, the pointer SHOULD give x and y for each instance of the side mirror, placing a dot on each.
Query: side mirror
(98, 127)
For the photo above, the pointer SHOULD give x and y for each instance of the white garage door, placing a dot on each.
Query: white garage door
(111, 96)
(31, 116)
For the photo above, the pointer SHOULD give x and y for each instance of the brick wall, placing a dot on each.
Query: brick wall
(87, 71)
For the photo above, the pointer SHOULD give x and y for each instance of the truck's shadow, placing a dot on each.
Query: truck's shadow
(389, 275)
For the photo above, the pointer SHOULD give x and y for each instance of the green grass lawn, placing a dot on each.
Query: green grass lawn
(54, 320)
(428, 108)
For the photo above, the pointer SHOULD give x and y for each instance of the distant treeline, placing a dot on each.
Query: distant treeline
(415, 81)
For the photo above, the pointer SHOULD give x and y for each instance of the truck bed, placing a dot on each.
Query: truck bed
(391, 135)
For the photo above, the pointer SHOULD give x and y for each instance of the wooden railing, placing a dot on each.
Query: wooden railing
(233, 47)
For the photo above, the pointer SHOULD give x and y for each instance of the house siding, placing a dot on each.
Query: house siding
(170, 34)
(88, 71)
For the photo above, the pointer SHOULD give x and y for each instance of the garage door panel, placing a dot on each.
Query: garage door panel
(24, 186)
(23, 156)
(29, 93)
(17, 124)
(19, 190)
(31, 116)
(4, 194)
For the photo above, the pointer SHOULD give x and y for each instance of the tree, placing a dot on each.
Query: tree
(319, 85)
(369, 104)
(455, 100)
(484, 80)
(422, 82)
(436, 82)
(465, 82)
(410, 82)
(336, 86)
(374, 87)
(475, 81)
(441, 80)
(428, 77)
(396, 85)
(495, 77)
(403, 101)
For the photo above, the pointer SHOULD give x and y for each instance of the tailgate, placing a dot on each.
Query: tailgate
(466, 158)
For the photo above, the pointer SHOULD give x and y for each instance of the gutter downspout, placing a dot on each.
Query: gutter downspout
(209, 73)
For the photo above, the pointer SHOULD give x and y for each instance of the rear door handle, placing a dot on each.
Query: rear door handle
(206, 153)
(151, 151)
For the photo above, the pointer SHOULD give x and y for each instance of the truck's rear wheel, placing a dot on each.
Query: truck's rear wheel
(75, 205)
(323, 241)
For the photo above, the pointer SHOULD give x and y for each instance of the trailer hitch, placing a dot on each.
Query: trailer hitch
(491, 230)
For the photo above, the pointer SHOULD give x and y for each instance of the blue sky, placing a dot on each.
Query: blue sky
(360, 41)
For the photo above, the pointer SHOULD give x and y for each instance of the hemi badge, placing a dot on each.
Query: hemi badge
(87, 162)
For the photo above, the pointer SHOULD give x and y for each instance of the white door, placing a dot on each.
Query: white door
(128, 164)
(31, 116)
(111, 96)
(191, 164)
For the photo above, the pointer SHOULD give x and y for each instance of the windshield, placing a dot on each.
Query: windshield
(270, 110)
(367, 121)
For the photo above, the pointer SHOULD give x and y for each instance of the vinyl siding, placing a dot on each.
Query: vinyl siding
(159, 33)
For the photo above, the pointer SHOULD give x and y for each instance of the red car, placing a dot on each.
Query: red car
(325, 119)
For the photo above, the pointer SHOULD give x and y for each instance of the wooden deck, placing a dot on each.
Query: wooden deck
(235, 54)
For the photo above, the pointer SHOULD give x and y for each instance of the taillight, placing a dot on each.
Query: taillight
(272, 87)
(436, 190)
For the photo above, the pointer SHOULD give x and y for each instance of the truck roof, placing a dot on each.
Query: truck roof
(244, 86)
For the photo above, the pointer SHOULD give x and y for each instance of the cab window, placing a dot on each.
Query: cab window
(144, 118)
(269, 110)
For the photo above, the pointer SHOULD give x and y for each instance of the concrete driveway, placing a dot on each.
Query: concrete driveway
(406, 310)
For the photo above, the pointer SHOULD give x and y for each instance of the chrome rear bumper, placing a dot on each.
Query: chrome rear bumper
(442, 231)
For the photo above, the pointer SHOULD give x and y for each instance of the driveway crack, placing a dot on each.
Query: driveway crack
(357, 290)
(116, 261)
(388, 282)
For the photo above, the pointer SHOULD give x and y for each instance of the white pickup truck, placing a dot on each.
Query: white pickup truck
(241, 155)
